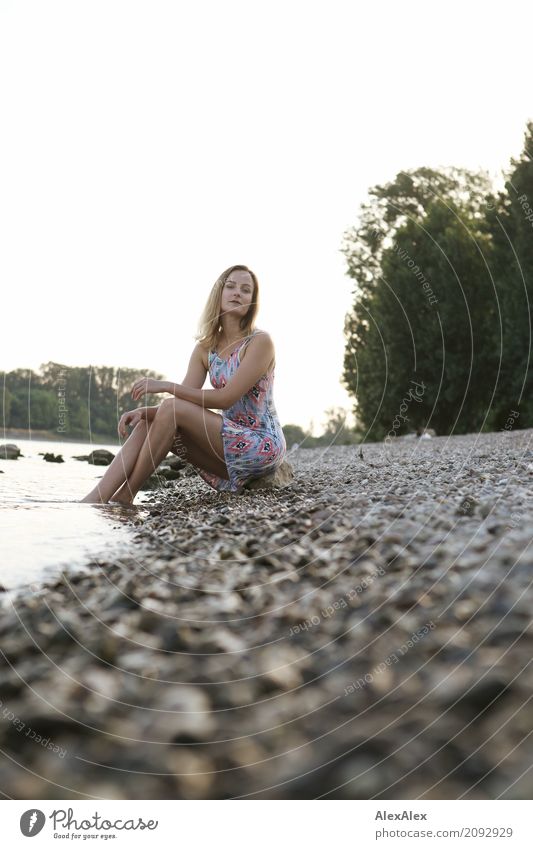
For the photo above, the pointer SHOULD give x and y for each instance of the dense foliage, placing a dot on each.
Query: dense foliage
(439, 332)
(72, 402)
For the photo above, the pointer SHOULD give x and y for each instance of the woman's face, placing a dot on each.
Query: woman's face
(237, 293)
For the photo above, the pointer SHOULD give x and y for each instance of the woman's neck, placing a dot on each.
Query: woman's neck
(231, 334)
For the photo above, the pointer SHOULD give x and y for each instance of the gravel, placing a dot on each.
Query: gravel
(364, 632)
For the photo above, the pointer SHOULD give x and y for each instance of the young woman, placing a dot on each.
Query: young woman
(245, 441)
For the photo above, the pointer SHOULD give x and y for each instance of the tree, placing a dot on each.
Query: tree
(336, 431)
(420, 316)
(83, 401)
(294, 434)
(510, 222)
(5, 406)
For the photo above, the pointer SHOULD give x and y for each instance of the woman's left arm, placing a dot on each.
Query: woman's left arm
(203, 397)
(259, 354)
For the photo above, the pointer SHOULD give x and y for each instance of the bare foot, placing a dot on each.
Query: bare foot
(92, 499)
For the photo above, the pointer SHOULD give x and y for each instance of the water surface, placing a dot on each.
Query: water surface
(43, 525)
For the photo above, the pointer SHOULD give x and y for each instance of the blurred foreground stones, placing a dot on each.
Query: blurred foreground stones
(363, 631)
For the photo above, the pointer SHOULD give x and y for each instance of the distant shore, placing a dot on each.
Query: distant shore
(52, 436)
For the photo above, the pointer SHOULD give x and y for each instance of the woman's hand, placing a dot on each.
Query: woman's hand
(146, 386)
(130, 418)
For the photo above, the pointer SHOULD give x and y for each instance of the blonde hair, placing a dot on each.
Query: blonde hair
(209, 323)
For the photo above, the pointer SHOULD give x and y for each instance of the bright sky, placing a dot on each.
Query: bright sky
(147, 146)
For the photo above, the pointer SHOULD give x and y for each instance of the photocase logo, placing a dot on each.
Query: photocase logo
(31, 822)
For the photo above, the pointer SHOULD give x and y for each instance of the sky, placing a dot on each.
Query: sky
(147, 146)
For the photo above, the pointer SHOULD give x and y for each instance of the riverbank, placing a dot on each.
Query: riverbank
(365, 633)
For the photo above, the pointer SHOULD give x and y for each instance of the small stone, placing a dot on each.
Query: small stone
(468, 505)
(53, 458)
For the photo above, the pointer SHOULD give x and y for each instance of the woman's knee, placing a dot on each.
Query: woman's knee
(142, 426)
(169, 409)
(166, 405)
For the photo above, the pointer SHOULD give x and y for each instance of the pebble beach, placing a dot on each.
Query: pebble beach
(362, 633)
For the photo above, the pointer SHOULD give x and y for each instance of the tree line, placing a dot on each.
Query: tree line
(71, 402)
(86, 403)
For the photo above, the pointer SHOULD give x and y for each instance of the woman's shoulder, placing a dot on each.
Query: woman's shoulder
(258, 331)
(259, 334)
(266, 340)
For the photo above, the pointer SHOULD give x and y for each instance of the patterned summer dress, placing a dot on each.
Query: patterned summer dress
(253, 439)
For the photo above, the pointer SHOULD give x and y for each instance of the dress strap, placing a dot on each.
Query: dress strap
(245, 342)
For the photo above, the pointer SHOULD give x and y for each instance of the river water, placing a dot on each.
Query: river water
(43, 527)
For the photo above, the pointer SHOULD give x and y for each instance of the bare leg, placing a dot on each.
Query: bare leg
(122, 494)
(155, 448)
(120, 469)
